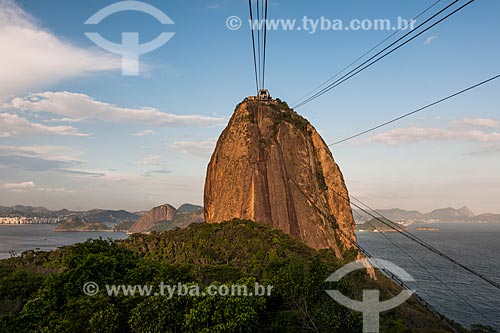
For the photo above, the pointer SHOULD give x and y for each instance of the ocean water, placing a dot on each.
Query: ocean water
(472, 300)
(19, 238)
(453, 291)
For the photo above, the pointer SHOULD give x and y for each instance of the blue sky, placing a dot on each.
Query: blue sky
(75, 133)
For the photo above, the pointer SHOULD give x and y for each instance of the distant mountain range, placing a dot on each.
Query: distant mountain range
(189, 212)
(29, 211)
(449, 214)
(94, 215)
(125, 219)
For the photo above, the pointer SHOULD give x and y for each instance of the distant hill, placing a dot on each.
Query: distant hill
(181, 220)
(401, 214)
(30, 211)
(188, 208)
(158, 219)
(166, 217)
(448, 214)
(75, 223)
(494, 218)
(94, 215)
(147, 221)
(109, 216)
(123, 226)
(377, 225)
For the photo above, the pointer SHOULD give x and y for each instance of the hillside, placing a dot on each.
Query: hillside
(492, 218)
(378, 225)
(97, 215)
(448, 214)
(166, 217)
(42, 291)
(108, 216)
(75, 223)
(182, 219)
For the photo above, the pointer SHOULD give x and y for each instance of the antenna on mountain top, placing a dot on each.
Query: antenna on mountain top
(264, 95)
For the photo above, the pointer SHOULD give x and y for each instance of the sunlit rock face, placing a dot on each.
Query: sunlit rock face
(270, 165)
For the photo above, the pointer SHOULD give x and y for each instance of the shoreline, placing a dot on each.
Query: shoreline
(78, 230)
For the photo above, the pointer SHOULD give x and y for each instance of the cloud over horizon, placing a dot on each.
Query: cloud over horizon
(419, 134)
(478, 122)
(18, 187)
(81, 106)
(11, 125)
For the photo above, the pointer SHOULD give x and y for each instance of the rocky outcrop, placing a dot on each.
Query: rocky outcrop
(166, 217)
(183, 219)
(270, 165)
(149, 220)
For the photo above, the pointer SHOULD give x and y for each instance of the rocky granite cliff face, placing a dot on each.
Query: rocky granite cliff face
(270, 165)
(148, 220)
(166, 217)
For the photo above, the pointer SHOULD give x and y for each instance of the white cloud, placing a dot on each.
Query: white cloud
(12, 125)
(63, 120)
(32, 57)
(481, 136)
(156, 172)
(81, 106)
(18, 187)
(478, 122)
(412, 134)
(415, 134)
(197, 148)
(30, 185)
(54, 190)
(55, 153)
(150, 160)
(429, 39)
(144, 133)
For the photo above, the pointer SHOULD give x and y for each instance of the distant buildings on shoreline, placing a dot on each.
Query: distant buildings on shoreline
(31, 220)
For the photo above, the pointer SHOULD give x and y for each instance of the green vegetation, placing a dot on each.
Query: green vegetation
(251, 117)
(377, 224)
(321, 179)
(123, 226)
(287, 115)
(181, 220)
(42, 291)
(75, 223)
(262, 142)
